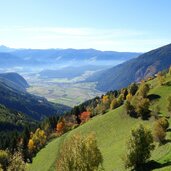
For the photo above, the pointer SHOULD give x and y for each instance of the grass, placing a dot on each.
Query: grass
(164, 92)
(45, 159)
(112, 130)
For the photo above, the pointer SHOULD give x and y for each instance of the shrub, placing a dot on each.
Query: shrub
(142, 108)
(130, 109)
(4, 159)
(160, 78)
(129, 97)
(133, 89)
(17, 163)
(164, 123)
(143, 90)
(114, 104)
(158, 133)
(120, 99)
(169, 104)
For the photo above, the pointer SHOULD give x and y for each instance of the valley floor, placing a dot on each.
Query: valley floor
(69, 94)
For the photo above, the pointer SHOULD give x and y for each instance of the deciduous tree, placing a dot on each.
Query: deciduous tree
(139, 147)
(80, 153)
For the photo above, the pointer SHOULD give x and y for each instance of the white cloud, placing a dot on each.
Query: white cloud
(58, 37)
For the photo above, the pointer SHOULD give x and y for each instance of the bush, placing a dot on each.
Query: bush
(130, 109)
(17, 163)
(158, 133)
(142, 108)
(139, 147)
(169, 104)
(114, 104)
(80, 153)
(143, 90)
(133, 89)
(4, 159)
(164, 123)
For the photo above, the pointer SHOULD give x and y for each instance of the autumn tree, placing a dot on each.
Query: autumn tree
(169, 104)
(37, 141)
(142, 107)
(129, 97)
(85, 116)
(133, 89)
(60, 127)
(129, 108)
(159, 133)
(114, 104)
(31, 147)
(163, 122)
(16, 162)
(143, 90)
(4, 159)
(106, 101)
(160, 78)
(124, 92)
(120, 99)
(139, 147)
(80, 153)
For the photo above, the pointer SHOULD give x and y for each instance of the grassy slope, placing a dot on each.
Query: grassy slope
(163, 153)
(112, 130)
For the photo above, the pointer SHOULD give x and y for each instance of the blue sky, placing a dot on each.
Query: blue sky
(120, 25)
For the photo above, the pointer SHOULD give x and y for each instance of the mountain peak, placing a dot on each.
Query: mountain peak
(4, 48)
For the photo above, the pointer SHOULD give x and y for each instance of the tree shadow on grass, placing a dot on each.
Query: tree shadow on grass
(167, 141)
(168, 130)
(153, 97)
(167, 83)
(155, 165)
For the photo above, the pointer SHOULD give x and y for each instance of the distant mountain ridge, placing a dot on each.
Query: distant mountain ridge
(133, 70)
(5, 49)
(28, 57)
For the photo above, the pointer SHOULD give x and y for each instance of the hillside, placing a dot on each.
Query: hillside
(112, 130)
(15, 80)
(144, 66)
(13, 97)
(12, 120)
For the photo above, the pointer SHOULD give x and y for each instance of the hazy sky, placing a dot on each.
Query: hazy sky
(120, 25)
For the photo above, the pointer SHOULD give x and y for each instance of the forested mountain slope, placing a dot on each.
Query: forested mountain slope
(14, 96)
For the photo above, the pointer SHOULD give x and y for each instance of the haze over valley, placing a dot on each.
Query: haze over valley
(59, 74)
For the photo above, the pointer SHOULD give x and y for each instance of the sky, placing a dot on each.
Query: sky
(117, 25)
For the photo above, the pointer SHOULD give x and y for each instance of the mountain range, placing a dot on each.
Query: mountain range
(134, 70)
(50, 57)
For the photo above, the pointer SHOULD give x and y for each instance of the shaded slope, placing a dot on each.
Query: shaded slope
(14, 80)
(134, 70)
(12, 96)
